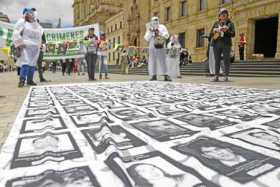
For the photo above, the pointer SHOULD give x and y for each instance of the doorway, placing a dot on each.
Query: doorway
(266, 36)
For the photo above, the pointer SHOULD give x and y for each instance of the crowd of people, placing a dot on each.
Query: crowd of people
(165, 54)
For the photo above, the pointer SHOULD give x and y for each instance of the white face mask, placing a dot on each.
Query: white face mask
(155, 23)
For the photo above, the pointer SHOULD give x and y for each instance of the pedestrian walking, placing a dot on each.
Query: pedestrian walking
(27, 37)
(156, 35)
(222, 32)
(91, 43)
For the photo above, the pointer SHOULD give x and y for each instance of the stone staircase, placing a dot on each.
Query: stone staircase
(265, 68)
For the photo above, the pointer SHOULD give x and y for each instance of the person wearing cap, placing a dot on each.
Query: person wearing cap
(157, 35)
(102, 56)
(222, 33)
(91, 43)
(27, 38)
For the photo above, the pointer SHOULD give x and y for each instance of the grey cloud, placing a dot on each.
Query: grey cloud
(47, 9)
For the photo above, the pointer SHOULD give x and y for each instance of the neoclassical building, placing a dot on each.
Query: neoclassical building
(189, 19)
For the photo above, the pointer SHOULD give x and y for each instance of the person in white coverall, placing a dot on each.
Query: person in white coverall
(27, 38)
(156, 35)
(173, 57)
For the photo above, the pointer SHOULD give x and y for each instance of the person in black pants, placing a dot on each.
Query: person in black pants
(222, 32)
(91, 55)
(63, 66)
(40, 61)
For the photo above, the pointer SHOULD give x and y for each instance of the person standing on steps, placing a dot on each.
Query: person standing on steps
(157, 35)
(222, 33)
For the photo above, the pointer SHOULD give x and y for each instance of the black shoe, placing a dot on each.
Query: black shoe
(216, 79)
(154, 78)
(43, 80)
(31, 83)
(21, 83)
(226, 79)
(167, 78)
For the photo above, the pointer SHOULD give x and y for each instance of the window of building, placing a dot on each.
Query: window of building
(114, 42)
(182, 39)
(116, 27)
(119, 40)
(109, 57)
(199, 38)
(121, 25)
(226, 1)
(183, 8)
(114, 56)
(109, 44)
(202, 4)
(168, 13)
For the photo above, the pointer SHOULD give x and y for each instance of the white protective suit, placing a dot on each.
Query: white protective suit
(30, 35)
(157, 57)
(173, 63)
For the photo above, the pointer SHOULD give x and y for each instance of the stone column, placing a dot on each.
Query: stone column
(277, 55)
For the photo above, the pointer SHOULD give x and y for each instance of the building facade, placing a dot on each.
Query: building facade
(192, 19)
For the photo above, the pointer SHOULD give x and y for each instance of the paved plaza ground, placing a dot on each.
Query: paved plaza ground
(12, 97)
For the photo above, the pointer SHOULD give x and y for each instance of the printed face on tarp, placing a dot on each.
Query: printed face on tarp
(130, 114)
(155, 169)
(40, 125)
(100, 139)
(239, 114)
(227, 159)
(264, 108)
(168, 110)
(90, 119)
(41, 112)
(80, 109)
(275, 124)
(75, 177)
(163, 130)
(204, 121)
(35, 150)
(258, 137)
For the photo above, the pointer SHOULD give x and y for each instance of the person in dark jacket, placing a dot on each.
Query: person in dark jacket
(222, 33)
(91, 54)
(40, 60)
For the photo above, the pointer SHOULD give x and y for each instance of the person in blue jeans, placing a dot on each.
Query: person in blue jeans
(27, 38)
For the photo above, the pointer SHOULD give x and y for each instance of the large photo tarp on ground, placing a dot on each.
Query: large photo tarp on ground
(142, 134)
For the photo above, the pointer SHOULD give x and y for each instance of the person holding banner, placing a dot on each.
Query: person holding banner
(102, 54)
(27, 37)
(91, 55)
(156, 35)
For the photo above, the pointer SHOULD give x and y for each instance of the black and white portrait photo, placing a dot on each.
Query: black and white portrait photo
(275, 124)
(75, 177)
(42, 124)
(32, 150)
(235, 162)
(72, 102)
(80, 109)
(41, 112)
(130, 114)
(258, 137)
(241, 114)
(155, 169)
(163, 130)
(205, 121)
(90, 119)
(100, 139)
(168, 110)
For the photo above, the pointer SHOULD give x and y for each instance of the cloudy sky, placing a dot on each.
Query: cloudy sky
(49, 10)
